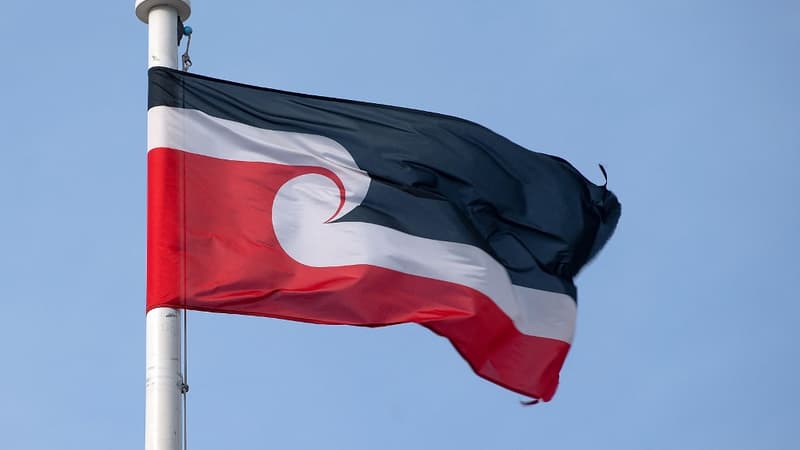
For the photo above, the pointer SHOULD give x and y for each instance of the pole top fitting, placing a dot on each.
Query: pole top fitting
(143, 7)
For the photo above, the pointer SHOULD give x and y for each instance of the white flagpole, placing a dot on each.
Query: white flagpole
(163, 409)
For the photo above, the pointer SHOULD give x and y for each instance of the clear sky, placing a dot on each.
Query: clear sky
(687, 331)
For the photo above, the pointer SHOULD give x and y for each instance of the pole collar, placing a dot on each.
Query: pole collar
(143, 7)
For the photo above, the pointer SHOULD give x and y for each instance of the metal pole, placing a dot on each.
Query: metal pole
(163, 354)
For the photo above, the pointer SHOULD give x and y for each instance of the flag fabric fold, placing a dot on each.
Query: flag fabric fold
(299, 207)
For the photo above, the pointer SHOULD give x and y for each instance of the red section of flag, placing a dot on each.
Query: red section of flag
(212, 247)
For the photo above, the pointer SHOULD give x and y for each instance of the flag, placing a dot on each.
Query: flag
(299, 207)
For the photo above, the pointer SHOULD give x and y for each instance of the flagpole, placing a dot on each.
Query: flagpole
(164, 380)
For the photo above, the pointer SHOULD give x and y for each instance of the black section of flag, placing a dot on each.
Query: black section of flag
(433, 176)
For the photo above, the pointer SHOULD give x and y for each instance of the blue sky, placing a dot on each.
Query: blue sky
(687, 334)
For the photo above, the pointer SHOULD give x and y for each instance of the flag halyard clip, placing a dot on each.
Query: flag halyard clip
(185, 30)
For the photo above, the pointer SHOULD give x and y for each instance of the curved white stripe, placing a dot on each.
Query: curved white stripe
(303, 205)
